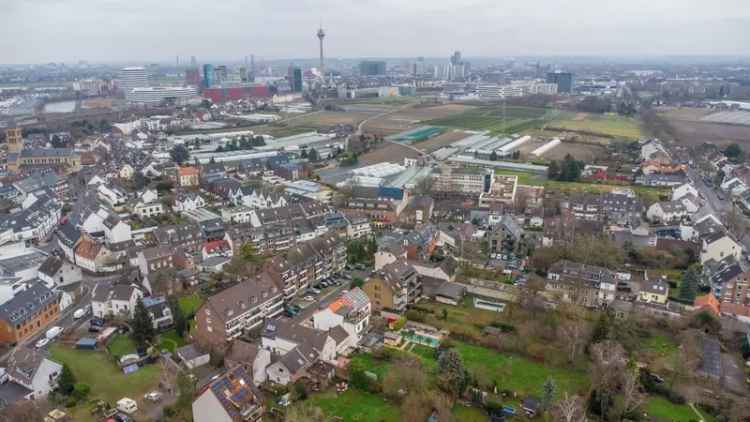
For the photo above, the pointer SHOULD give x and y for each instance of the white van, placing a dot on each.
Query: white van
(127, 405)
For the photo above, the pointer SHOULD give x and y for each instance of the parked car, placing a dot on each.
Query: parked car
(53, 332)
(4, 377)
(309, 298)
(152, 396)
(42, 342)
(79, 313)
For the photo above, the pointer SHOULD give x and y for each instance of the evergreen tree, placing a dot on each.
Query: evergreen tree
(313, 155)
(142, 325)
(304, 153)
(548, 393)
(493, 156)
(179, 154)
(553, 170)
(453, 375)
(67, 381)
(180, 322)
(689, 284)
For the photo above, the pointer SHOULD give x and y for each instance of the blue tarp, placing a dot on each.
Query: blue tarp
(86, 343)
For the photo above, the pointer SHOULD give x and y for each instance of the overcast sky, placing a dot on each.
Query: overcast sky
(38, 31)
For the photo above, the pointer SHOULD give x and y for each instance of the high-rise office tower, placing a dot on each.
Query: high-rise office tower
(295, 78)
(133, 77)
(208, 75)
(564, 81)
(372, 67)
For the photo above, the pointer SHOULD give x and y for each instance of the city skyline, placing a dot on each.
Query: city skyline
(72, 30)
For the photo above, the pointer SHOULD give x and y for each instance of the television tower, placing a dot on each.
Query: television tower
(321, 35)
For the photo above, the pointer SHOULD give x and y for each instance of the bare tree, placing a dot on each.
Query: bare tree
(30, 410)
(609, 362)
(575, 338)
(569, 409)
(632, 398)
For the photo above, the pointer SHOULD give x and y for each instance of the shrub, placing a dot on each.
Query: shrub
(415, 316)
(81, 391)
(504, 327)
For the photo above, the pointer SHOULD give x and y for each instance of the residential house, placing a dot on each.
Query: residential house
(683, 190)
(68, 237)
(667, 212)
(109, 299)
(587, 285)
(188, 176)
(116, 230)
(154, 259)
(94, 257)
(187, 237)
(351, 311)
(418, 211)
(230, 398)
(654, 291)
(394, 287)
(719, 245)
(34, 223)
(297, 347)
(159, 311)
(148, 209)
(358, 227)
(735, 295)
(188, 201)
(251, 356)
(32, 370)
(28, 313)
(56, 272)
(126, 172)
(112, 196)
(225, 315)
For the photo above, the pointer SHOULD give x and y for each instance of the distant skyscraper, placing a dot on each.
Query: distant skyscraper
(456, 58)
(564, 81)
(208, 75)
(372, 67)
(243, 74)
(133, 77)
(193, 61)
(321, 35)
(193, 76)
(295, 78)
(251, 76)
(220, 74)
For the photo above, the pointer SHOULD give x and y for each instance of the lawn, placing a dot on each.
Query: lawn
(517, 119)
(464, 318)
(169, 340)
(377, 367)
(662, 408)
(648, 193)
(190, 304)
(356, 406)
(121, 345)
(517, 373)
(611, 125)
(462, 413)
(105, 378)
(660, 344)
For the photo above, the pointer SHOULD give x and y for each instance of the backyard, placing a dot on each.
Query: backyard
(662, 408)
(105, 378)
(356, 405)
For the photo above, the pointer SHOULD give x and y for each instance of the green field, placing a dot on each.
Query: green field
(462, 413)
(105, 378)
(121, 345)
(169, 340)
(662, 408)
(517, 373)
(609, 125)
(517, 119)
(356, 406)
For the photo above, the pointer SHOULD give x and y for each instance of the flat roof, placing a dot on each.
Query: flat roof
(500, 164)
